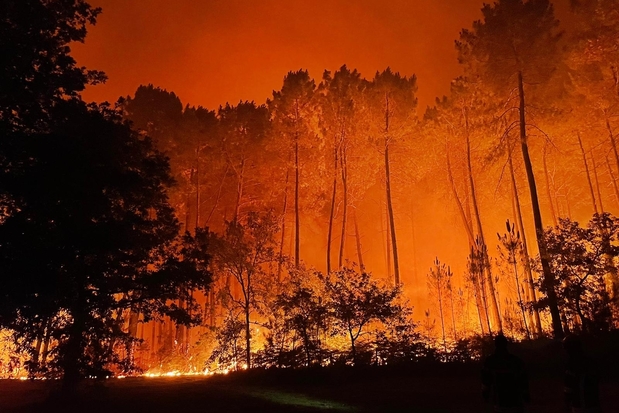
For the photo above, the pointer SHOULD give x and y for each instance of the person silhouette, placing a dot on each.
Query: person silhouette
(581, 382)
(505, 383)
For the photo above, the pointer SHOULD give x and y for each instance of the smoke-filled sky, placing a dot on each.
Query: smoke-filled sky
(214, 51)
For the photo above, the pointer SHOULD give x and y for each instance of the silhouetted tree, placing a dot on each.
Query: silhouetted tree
(38, 71)
(355, 300)
(87, 234)
(242, 254)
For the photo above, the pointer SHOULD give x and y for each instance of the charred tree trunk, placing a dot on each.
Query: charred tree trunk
(198, 185)
(358, 242)
(239, 190)
(332, 211)
(597, 182)
(613, 143)
(465, 221)
(394, 243)
(548, 192)
(537, 217)
(297, 220)
(525, 249)
(491, 291)
(281, 245)
(388, 239)
(613, 180)
(247, 337)
(344, 171)
(218, 197)
(584, 159)
(413, 242)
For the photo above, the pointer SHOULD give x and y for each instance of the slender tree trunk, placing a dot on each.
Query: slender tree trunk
(332, 212)
(73, 351)
(493, 301)
(188, 327)
(247, 337)
(352, 347)
(520, 301)
(46, 340)
(218, 197)
(198, 186)
(358, 242)
(548, 192)
(212, 305)
(153, 349)
(281, 245)
(465, 221)
(484, 299)
(478, 304)
(597, 182)
(451, 299)
(239, 190)
(584, 159)
(297, 220)
(613, 180)
(388, 238)
(394, 243)
(440, 308)
(344, 171)
(613, 143)
(413, 243)
(537, 217)
(37, 345)
(525, 249)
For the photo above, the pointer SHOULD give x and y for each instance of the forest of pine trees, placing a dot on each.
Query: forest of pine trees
(343, 223)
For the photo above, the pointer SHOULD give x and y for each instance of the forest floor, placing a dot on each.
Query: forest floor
(423, 390)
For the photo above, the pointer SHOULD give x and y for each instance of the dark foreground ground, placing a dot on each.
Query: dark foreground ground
(414, 389)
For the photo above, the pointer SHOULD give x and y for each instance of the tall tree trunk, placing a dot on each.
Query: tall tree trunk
(597, 182)
(239, 190)
(413, 243)
(451, 300)
(388, 239)
(467, 224)
(548, 192)
(537, 218)
(491, 291)
(344, 171)
(584, 159)
(613, 180)
(613, 142)
(471, 238)
(153, 349)
(520, 300)
(332, 211)
(297, 221)
(440, 306)
(358, 242)
(525, 249)
(218, 197)
(212, 305)
(394, 243)
(198, 185)
(247, 337)
(46, 341)
(281, 245)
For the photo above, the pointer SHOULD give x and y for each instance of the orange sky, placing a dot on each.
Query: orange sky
(213, 51)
